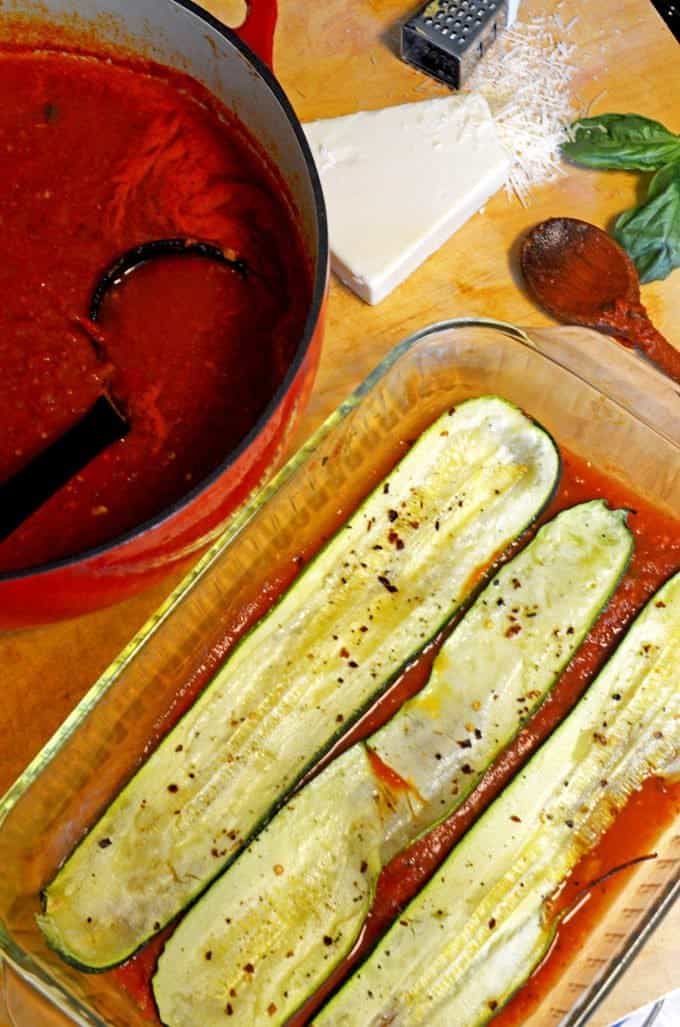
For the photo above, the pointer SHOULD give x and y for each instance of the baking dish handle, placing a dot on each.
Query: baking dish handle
(23, 1006)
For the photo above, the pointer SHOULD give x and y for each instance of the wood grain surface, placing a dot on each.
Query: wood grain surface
(334, 57)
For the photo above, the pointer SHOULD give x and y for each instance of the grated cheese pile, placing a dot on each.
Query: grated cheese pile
(525, 78)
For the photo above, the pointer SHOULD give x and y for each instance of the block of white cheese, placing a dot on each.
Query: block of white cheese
(399, 181)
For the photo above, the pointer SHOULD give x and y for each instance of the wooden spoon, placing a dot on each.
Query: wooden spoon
(580, 275)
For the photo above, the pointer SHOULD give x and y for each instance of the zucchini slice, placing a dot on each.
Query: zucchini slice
(292, 905)
(373, 597)
(473, 936)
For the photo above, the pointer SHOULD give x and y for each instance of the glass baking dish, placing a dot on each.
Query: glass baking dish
(602, 402)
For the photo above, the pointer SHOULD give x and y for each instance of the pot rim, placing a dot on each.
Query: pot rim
(316, 303)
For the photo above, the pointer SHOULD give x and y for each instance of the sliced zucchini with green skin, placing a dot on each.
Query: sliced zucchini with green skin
(473, 936)
(372, 598)
(292, 905)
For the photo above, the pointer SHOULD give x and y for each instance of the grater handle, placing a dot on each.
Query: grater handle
(257, 31)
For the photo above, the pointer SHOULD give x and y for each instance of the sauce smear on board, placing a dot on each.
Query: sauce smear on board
(98, 156)
(656, 557)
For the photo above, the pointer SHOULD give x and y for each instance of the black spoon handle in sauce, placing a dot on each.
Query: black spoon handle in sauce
(105, 422)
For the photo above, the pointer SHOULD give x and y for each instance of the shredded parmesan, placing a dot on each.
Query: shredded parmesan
(525, 78)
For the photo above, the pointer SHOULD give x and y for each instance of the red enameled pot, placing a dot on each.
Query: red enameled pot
(179, 34)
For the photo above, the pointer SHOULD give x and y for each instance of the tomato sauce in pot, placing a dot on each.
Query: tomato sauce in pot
(98, 156)
(656, 557)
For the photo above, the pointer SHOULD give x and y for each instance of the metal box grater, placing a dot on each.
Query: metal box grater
(447, 38)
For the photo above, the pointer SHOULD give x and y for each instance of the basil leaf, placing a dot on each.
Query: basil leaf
(624, 141)
(650, 233)
(663, 178)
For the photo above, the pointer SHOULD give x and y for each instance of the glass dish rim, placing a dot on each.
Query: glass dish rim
(234, 526)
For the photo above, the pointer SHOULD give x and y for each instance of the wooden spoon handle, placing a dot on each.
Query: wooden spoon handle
(630, 323)
(661, 353)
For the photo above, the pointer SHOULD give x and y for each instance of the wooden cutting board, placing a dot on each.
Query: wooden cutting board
(334, 57)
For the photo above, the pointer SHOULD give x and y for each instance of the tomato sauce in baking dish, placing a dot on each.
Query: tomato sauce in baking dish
(656, 557)
(98, 156)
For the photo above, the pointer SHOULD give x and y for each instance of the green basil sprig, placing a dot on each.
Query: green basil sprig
(625, 142)
(650, 233)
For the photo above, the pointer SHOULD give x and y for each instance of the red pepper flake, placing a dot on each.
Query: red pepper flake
(397, 542)
(513, 630)
(386, 583)
(516, 819)
(271, 1008)
(249, 968)
(516, 583)
(660, 604)
(229, 1009)
(492, 923)
(344, 653)
(392, 515)
(464, 744)
(353, 664)
(278, 869)
(178, 748)
(208, 955)
(493, 1005)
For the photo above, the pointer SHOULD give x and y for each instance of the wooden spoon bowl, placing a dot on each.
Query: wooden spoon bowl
(580, 275)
